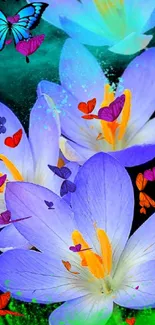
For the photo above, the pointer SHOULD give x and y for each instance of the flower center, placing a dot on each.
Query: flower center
(113, 15)
(98, 265)
(109, 128)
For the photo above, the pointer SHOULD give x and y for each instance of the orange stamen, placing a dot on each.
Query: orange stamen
(12, 169)
(125, 114)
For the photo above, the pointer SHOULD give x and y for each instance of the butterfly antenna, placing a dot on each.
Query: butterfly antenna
(27, 59)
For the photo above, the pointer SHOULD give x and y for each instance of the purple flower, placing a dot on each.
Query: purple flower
(130, 138)
(2, 127)
(29, 160)
(101, 217)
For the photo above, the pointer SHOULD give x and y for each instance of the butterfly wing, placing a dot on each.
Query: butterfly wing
(141, 181)
(3, 30)
(4, 299)
(29, 18)
(67, 186)
(111, 113)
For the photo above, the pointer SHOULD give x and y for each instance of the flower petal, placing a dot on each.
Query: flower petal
(142, 276)
(139, 79)
(140, 9)
(97, 200)
(57, 8)
(82, 34)
(131, 44)
(85, 79)
(140, 247)
(135, 155)
(21, 155)
(48, 230)
(88, 309)
(72, 125)
(44, 132)
(75, 152)
(11, 238)
(145, 135)
(33, 275)
(150, 23)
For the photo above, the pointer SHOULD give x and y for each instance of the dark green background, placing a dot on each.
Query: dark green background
(18, 82)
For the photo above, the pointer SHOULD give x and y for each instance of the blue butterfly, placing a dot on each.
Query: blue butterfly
(25, 19)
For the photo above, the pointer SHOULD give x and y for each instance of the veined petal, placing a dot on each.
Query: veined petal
(84, 310)
(10, 238)
(33, 275)
(146, 135)
(140, 247)
(143, 277)
(98, 201)
(139, 78)
(135, 155)
(48, 230)
(150, 23)
(20, 155)
(84, 35)
(75, 152)
(85, 79)
(72, 125)
(131, 44)
(44, 133)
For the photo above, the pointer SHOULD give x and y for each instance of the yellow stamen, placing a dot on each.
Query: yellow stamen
(125, 114)
(12, 169)
(98, 266)
(106, 250)
(109, 96)
(60, 163)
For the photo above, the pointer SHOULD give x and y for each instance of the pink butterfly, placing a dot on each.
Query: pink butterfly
(28, 47)
(111, 112)
(150, 174)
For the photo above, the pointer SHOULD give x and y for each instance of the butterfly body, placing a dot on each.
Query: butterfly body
(21, 23)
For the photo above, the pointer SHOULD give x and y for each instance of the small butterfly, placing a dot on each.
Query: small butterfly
(109, 113)
(2, 179)
(150, 174)
(145, 200)
(19, 25)
(131, 321)
(49, 204)
(77, 248)
(64, 173)
(29, 46)
(6, 216)
(67, 265)
(4, 299)
(14, 141)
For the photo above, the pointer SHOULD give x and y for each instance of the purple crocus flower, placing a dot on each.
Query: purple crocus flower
(28, 161)
(120, 25)
(101, 217)
(130, 138)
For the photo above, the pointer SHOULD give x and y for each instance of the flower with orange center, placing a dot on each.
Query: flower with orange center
(85, 256)
(124, 131)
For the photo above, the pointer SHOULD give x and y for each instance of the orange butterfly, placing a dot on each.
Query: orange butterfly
(4, 299)
(14, 141)
(88, 108)
(131, 321)
(144, 200)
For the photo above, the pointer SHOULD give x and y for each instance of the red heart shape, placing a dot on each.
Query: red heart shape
(131, 321)
(13, 141)
(87, 107)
